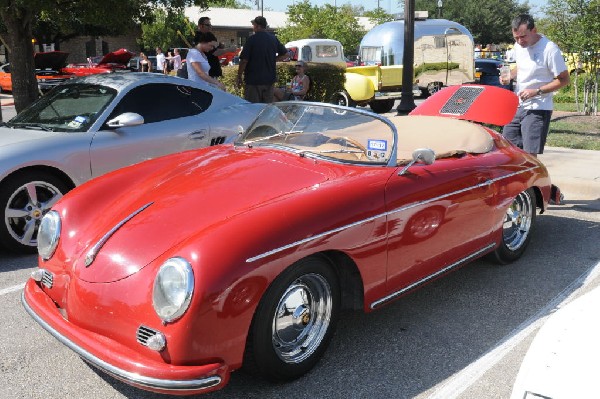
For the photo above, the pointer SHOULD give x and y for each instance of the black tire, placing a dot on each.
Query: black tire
(22, 213)
(294, 322)
(517, 228)
(382, 106)
(342, 98)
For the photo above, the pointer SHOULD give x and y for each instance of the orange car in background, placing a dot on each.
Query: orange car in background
(115, 61)
(48, 71)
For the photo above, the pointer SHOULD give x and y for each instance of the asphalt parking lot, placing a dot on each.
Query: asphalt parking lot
(462, 336)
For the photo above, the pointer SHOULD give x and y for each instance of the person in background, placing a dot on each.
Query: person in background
(197, 63)
(540, 71)
(298, 87)
(160, 61)
(175, 61)
(145, 64)
(258, 59)
(204, 26)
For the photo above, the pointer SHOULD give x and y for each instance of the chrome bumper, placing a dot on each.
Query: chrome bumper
(123, 375)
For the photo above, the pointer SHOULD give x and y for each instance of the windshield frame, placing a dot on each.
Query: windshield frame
(274, 115)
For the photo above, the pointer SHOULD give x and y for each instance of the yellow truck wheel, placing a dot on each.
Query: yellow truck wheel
(342, 98)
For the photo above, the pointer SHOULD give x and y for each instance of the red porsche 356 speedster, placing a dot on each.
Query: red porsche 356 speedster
(172, 273)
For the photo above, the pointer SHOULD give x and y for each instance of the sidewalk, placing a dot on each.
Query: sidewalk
(575, 172)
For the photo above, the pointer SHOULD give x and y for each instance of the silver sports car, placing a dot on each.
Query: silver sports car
(93, 125)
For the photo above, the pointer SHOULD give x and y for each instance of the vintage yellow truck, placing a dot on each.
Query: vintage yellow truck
(443, 56)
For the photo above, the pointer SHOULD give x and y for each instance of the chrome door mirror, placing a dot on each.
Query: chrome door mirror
(126, 119)
(422, 155)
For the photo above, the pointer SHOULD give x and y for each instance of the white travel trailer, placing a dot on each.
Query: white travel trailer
(443, 52)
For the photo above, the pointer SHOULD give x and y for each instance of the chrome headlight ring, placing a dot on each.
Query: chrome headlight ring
(48, 234)
(173, 289)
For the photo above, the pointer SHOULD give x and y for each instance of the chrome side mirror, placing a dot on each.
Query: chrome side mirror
(421, 155)
(126, 119)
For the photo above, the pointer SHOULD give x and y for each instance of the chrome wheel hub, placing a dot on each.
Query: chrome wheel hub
(302, 318)
(517, 222)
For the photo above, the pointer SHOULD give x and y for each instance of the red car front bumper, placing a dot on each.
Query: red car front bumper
(119, 361)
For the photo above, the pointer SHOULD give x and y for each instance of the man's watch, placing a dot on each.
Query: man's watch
(540, 92)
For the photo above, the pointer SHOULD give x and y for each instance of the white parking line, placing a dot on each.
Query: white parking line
(14, 288)
(454, 386)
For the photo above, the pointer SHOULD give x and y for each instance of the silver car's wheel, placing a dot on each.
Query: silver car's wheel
(517, 227)
(294, 321)
(25, 198)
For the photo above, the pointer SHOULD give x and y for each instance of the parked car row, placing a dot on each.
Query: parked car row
(251, 248)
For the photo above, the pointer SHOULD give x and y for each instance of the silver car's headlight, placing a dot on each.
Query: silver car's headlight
(48, 234)
(173, 289)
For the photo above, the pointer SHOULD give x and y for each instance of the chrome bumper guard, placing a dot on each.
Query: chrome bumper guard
(123, 375)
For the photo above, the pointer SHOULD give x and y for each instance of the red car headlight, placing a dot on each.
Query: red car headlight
(48, 234)
(173, 289)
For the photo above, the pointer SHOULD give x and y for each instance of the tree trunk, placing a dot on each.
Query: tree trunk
(22, 67)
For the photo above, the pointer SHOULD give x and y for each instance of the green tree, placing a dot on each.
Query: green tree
(487, 20)
(169, 28)
(114, 16)
(327, 22)
(378, 16)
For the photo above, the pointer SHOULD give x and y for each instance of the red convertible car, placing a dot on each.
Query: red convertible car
(244, 254)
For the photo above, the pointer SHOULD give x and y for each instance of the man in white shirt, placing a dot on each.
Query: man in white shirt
(161, 64)
(540, 71)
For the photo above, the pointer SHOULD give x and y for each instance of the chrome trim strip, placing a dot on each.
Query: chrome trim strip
(385, 214)
(127, 376)
(381, 301)
(93, 252)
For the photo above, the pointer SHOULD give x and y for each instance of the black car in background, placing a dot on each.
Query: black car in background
(487, 72)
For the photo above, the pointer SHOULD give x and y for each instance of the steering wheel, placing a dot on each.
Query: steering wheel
(345, 141)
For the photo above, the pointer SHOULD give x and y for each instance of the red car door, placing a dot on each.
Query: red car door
(438, 216)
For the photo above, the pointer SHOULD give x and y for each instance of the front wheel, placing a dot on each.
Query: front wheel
(342, 98)
(294, 321)
(517, 227)
(25, 198)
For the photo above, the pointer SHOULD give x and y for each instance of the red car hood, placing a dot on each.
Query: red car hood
(50, 60)
(200, 190)
(478, 103)
(121, 56)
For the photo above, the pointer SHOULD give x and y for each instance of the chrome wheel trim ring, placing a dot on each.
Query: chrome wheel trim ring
(517, 222)
(302, 318)
(26, 207)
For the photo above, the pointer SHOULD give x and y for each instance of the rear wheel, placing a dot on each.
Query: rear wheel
(294, 321)
(517, 227)
(382, 106)
(24, 199)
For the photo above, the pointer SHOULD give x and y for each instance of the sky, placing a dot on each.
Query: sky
(391, 6)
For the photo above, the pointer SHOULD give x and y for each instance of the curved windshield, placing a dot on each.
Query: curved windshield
(67, 108)
(325, 131)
